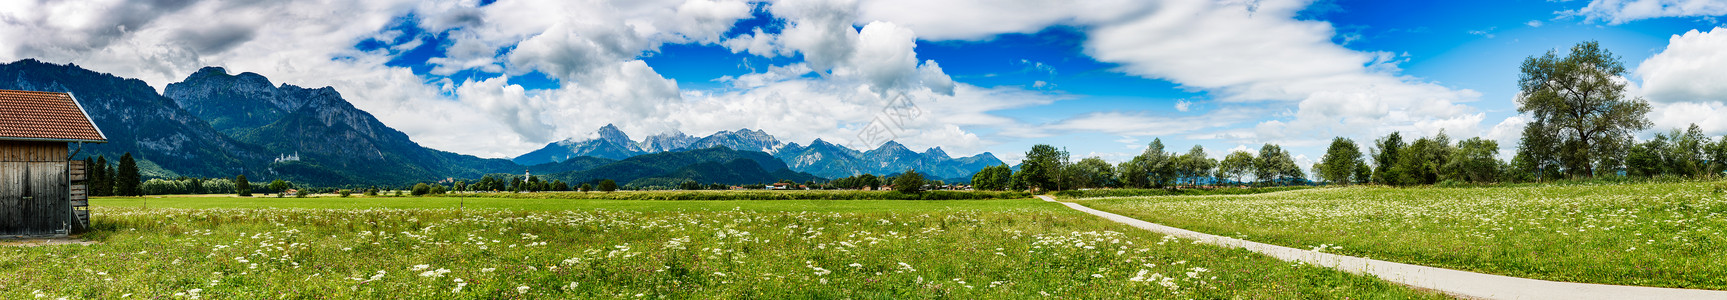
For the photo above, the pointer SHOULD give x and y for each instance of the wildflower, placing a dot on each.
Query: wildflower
(522, 289)
(420, 267)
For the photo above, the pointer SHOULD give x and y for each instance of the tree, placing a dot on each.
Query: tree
(1685, 154)
(1130, 174)
(1474, 161)
(869, 180)
(1236, 165)
(278, 185)
(1094, 172)
(1159, 166)
(992, 178)
(1385, 153)
(1042, 167)
(587, 187)
(126, 182)
(909, 182)
(1363, 173)
(421, 189)
(1421, 161)
(92, 176)
(1340, 161)
(102, 178)
(241, 186)
(1644, 159)
(1717, 154)
(1275, 165)
(1537, 153)
(1194, 165)
(560, 185)
(608, 185)
(1580, 101)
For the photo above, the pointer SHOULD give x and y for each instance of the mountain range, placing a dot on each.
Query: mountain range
(820, 158)
(217, 124)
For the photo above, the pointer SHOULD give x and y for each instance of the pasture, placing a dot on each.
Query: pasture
(1649, 234)
(220, 247)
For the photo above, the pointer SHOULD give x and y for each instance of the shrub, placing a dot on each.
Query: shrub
(421, 189)
(910, 183)
(344, 193)
(608, 185)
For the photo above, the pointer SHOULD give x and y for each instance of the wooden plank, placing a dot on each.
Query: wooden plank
(76, 170)
(11, 193)
(76, 203)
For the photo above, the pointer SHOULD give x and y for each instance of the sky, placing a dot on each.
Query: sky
(1096, 77)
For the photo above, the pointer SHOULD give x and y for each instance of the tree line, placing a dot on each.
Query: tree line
(1582, 126)
(1047, 168)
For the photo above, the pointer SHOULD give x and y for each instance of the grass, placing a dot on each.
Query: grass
(564, 204)
(1647, 234)
(192, 247)
(760, 195)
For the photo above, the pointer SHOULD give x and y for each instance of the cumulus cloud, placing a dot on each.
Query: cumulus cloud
(1241, 51)
(1261, 53)
(1622, 11)
(881, 54)
(1684, 81)
(1693, 67)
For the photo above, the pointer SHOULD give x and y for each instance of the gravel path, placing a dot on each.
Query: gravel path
(1456, 283)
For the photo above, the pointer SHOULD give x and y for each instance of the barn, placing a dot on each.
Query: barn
(41, 188)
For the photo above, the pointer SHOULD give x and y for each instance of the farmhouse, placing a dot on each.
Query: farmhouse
(41, 188)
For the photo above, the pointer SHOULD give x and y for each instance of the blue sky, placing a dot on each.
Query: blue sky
(1100, 78)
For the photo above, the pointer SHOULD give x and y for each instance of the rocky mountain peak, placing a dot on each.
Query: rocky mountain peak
(936, 153)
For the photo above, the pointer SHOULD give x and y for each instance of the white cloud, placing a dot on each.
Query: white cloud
(882, 54)
(981, 19)
(1707, 115)
(1684, 82)
(1534, 23)
(1622, 11)
(1261, 53)
(1182, 105)
(1692, 68)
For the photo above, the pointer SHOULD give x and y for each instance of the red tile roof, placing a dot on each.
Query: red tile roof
(45, 116)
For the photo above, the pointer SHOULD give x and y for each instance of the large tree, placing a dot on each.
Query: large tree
(1385, 154)
(1094, 172)
(1237, 165)
(1580, 101)
(1195, 165)
(1340, 161)
(1043, 167)
(242, 187)
(910, 182)
(127, 180)
(1474, 161)
(1717, 154)
(1158, 166)
(102, 177)
(1537, 153)
(992, 178)
(1275, 165)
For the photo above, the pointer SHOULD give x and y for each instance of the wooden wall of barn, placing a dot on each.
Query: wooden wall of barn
(33, 188)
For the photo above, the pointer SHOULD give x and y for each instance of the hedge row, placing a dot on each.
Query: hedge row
(1096, 193)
